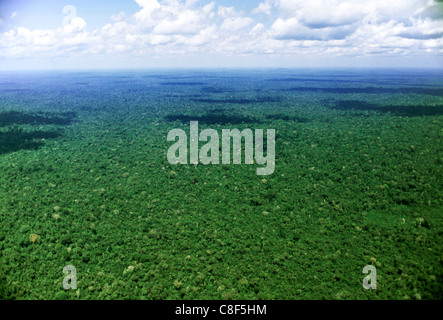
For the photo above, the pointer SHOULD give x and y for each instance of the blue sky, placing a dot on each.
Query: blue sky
(115, 34)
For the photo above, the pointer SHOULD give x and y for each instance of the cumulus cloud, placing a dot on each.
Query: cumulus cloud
(421, 29)
(358, 27)
(280, 27)
(293, 29)
(173, 17)
(264, 7)
(329, 14)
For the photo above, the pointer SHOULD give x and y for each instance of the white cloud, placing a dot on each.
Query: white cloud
(77, 24)
(235, 24)
(421, 29)
(292, 29)
(315, 28)
(319, 14)
(186, 22)
(258, 28)
(264, 7)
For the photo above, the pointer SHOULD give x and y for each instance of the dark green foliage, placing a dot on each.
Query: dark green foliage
(5, 292)
(213, 118)
(285, 117)
(353, 185)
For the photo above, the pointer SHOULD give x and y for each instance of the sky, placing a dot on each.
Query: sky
(138, 34)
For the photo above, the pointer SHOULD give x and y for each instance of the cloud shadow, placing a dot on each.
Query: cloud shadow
(400, 110)
(13, 138)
